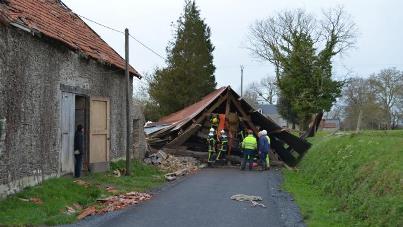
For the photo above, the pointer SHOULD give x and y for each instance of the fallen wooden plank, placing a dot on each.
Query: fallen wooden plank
(184, 136)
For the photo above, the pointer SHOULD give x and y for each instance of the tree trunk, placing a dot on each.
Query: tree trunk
(357, 129)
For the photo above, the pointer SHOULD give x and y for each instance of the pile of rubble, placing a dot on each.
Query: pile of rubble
(113, 203)
(175, 166)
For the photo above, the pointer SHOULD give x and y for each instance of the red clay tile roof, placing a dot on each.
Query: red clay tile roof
(53, 19)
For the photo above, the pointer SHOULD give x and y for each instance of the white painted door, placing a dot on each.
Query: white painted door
(67, 129)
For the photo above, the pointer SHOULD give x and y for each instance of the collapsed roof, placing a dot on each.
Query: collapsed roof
(182, 127)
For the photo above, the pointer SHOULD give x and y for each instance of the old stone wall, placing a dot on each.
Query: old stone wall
(32, 69)
(139, 137)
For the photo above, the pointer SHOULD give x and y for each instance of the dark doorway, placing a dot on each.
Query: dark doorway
(81, 118)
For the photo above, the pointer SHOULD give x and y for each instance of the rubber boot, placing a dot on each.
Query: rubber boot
(243, 163)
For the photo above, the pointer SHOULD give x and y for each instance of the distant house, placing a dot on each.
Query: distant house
(330, 124)
(270, 110)
(56, 73)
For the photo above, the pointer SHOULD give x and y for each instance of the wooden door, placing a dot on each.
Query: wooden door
(67, 133)
(99, 133)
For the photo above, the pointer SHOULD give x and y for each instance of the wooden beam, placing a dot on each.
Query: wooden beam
(211, 109)
(246, 117)
(227, 110)
(196, 124)
(179, 140)
(227, 107)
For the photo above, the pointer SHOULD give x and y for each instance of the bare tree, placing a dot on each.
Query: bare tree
(271, 39)
(337, 30)
(388, 88)
(301, 48)
(266, 89)
(357, 93)
(360, 107)
(336, 112)
(251, 97)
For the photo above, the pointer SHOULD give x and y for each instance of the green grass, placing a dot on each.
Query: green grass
(58, 193)
(351, 180)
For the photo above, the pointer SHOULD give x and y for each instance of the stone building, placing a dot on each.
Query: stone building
(56, 73)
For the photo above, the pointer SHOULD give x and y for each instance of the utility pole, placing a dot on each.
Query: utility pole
(127, 102)
(241, 80)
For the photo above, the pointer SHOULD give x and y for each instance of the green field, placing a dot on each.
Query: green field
(351, 180)
(58, 193)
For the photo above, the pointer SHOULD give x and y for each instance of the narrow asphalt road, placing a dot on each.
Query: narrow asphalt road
(204, 200)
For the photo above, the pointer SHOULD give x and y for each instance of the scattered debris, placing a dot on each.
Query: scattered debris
(112, 190)
(116, 172)
(169, 177)
(82, 183)
(176, 166)
(77, 206)
(174, 175)
(113, 203)
(118, 202)
(254, 203)
(87, 212)
(119, 172)
(70, 210)
(24, 200)
(156, 158)
(36, 201)
(251, 198)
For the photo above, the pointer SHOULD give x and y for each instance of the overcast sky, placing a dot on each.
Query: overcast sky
(379, 45)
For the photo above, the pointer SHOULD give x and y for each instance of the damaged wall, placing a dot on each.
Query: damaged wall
(32, 69)
(139, 137)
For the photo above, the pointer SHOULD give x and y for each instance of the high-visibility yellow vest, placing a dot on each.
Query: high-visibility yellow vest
(249, 143)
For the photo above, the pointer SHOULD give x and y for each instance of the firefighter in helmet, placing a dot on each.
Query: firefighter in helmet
(211, 141)
(223, 145)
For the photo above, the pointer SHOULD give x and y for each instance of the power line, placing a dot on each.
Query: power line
(113, 29)
(121, 32)
(145, 46)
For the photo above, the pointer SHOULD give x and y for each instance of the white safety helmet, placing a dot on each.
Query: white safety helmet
(264, 133)
(212, 130)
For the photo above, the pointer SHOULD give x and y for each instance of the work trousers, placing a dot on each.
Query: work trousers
(247, 158)
(78, 164)
(263, 160)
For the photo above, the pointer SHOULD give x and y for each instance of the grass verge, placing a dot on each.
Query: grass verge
(56, 194)
(351, 180)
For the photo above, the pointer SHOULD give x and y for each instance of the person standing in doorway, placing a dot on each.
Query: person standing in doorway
(249, 146)
(78, 150)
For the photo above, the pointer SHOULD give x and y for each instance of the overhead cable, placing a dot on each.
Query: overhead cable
(122, 32)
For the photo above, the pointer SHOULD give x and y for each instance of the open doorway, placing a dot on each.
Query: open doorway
(81, 118)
